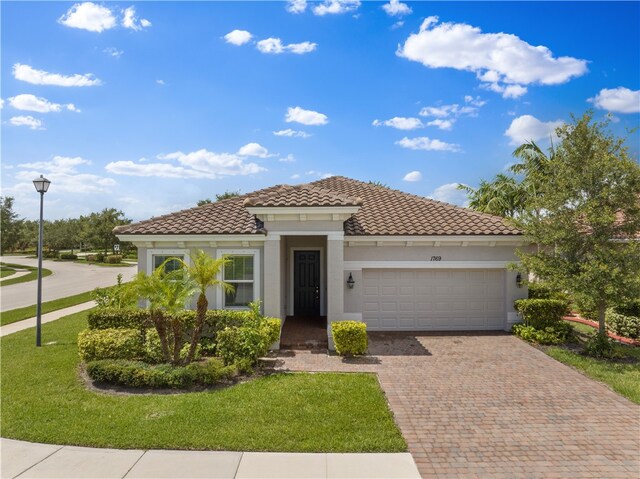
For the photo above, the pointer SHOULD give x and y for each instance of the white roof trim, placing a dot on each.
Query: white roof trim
(298, 210)
(441, 238)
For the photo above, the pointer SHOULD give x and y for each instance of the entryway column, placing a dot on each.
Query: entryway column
(272, 276)
(335, 277)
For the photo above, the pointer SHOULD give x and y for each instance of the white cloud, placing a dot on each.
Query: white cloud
(275, 46)
(398, 24)
(64, 175)
(400, 123)
(287, 159)
(449, 193)
(39, 77)
(336, 7)
(160, 82)
(619, 100)
(1, 103)
(527, 127)
(396, 8)
(296, 6)
(89, 16)
(113, 52)
(427, 144)
(254, 149)
(306, 117)
(27, 120)
(295, 176)
(477, 101)
(201, 164)
(292, 133)
(442, 124)
(238, 37)
(502, 62)
(129, 20)
(413, 176)
(28, 102)
(319, 174)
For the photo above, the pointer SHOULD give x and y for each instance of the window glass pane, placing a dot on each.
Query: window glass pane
(172, 265)
(242, 295)
(239, 268)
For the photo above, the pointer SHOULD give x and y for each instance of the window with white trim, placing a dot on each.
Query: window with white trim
(157, 256)
(172, 265)
(243, 273)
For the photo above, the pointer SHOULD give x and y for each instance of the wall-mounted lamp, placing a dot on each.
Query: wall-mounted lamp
(519, 280)
(350, 281)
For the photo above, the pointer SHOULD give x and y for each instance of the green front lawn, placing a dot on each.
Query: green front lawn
(33, 274)
(43, 400)
(6, 271)
(622, 375)
(8, 317)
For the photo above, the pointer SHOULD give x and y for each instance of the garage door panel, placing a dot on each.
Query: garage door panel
(433, 299)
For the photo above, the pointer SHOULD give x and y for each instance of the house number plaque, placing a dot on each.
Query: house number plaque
(436, 258)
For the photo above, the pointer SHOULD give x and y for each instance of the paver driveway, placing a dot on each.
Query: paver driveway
(483, 405)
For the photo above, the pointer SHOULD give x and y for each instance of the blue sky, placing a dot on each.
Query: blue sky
(151, 106)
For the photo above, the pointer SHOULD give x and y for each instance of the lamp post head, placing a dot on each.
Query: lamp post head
(41, 184)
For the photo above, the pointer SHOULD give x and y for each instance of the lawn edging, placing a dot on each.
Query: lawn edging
(33, 274)
(593, 324)
(27, 312)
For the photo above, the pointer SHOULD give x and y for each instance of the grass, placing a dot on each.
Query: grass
(43, 400)
(622, 377)
(33, 274)
(108, 265)
(8, 317)
(6, 271)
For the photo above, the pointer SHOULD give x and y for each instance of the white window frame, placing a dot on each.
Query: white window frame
(166, 252)
(220, 253)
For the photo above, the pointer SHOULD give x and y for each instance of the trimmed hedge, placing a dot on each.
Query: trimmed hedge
(110, 344)
(110, 318)
(541, 313)
(349, 337)
(272, 328)
(142, 375)
(68, 256)
(113, 259)
(623, 325)
(244, 344)
(539, 290)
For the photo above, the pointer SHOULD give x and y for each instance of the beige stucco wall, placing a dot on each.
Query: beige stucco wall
(424, 253)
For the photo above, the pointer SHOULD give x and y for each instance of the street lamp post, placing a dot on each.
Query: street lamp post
(42, 185)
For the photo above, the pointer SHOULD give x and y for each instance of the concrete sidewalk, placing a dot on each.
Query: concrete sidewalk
(46, 318)
(29, 460)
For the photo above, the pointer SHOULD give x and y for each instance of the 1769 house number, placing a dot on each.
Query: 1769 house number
(436, 258)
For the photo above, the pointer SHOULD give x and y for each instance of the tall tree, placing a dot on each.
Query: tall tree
(503, 196)
(10, 224)
(586, 217)
(99, 232)
(226, 195)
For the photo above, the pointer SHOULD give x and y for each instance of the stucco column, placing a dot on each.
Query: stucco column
(272, 276)
(335, 283)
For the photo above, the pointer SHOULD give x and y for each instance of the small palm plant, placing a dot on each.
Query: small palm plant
(166, 293)
(203, 272)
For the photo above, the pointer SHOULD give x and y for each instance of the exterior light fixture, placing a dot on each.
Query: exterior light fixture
(519, 280)
(350, 281)
(42, 185)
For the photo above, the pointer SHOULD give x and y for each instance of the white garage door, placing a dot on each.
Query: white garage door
(433, 299)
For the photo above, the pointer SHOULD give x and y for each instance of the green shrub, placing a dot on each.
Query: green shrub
(109, 318)
(68, 256)
(242, 344)
(153, 349)
(110, 344)
(600, 346)
(142, 375)
(630, 308)
(556, 334)
(349, 337)
(540, 290)
(113, 259)
(623, 325)
(541, 313)
(272, 329)
(586, 307)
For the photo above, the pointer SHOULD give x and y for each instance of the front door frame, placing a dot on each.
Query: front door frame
(323, 275)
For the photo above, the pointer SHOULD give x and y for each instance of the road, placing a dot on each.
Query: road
(67, 279)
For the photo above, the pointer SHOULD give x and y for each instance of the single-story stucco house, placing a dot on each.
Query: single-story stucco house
(349, 250)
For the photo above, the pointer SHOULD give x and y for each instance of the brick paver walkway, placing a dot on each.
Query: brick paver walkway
(492, 406)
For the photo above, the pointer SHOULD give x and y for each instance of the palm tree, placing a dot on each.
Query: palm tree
(502, 197)
(166, 294)
(203, 272)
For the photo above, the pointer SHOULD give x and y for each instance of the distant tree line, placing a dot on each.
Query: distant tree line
(90, 232)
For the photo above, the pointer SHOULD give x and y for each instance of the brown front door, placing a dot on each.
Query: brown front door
(306, 283)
